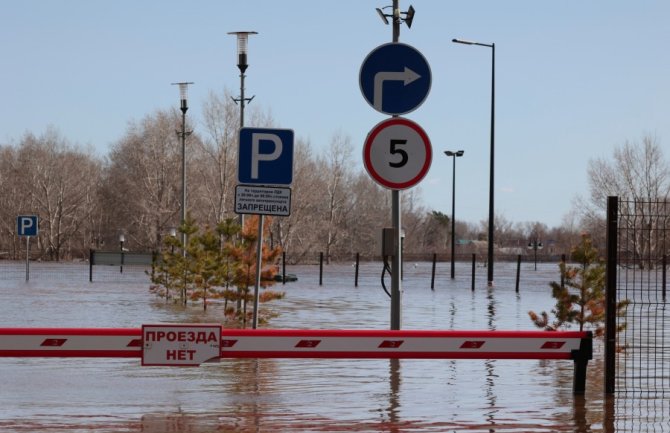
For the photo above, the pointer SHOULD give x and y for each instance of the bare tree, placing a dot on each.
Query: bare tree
(640, 176)
(336, 171)
(216, 158)
(57, 179)
(142, 188)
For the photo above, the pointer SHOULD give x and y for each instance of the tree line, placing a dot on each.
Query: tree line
(86, 201)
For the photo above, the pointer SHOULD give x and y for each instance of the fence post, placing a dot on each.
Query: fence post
(283, 267)
(474, 258)
(610, 293)
(562, 270)
(154, 260)
(518, 271)
(358, 257)
(91, 254)
(665, 270)
(320, 269)
(432, 275)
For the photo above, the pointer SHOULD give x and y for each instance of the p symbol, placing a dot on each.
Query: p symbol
(257, 156)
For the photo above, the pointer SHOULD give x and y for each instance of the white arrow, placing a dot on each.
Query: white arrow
(407, 76)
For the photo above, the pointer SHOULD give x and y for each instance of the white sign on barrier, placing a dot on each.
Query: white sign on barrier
(180, 345)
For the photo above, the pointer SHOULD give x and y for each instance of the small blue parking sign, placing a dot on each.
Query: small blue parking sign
(265, 156)
(395, 78)
(26, 225)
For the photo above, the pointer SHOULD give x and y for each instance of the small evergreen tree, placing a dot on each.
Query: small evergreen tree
(244, 253)
(214, 261)
(581, 299)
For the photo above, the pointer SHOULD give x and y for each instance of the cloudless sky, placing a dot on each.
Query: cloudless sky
(574, 79)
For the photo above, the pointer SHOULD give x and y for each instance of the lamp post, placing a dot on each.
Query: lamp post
(491, 177)
(535, 245)
(122, 239)
(173, 234)
(242, 49)
(454, 155)
(183, 96)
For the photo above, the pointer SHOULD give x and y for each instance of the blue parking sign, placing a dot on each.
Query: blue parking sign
(265, 156)
(26, 225)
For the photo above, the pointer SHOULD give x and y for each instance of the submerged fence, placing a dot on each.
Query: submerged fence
(638, 342)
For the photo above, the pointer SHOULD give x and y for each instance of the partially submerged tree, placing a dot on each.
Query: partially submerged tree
(215, 260)
(581, 298)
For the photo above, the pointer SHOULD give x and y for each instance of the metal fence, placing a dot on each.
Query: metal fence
(638, 355)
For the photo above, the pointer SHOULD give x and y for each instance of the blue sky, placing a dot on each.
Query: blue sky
(573, 80)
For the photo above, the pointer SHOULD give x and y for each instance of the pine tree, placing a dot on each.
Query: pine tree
(215, 262)
(581, 299)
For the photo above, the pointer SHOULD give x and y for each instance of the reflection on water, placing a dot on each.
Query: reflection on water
(302, 395)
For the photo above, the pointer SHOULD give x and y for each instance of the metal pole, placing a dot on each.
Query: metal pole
(491, 182)
(474, 261)
(610, 294)
(242, 101)
(396, 289)
(453, 217)
(518, 271)
(396, 285)
(259, 264)
(432, 274)
(358, 258)
(27, 258)
(183, 177)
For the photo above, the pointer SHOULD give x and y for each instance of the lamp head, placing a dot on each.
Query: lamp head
(183, 94)
(242, 47)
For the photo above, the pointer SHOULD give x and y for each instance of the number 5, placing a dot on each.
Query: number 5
(402, 153)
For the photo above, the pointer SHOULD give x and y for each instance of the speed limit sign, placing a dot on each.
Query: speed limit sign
(397, 153)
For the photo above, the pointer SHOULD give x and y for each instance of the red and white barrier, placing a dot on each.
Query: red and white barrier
(71, 342)
(280, 343)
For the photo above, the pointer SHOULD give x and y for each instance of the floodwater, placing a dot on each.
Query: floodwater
(304, 395)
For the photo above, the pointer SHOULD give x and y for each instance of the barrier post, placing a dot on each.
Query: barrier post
(581, 359)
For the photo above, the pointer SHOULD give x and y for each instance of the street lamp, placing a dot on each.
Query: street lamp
(173, 234)
(535, 245)
(183, 96)
(491, 177)
(454, 155)
(242, 65)
(122, 239)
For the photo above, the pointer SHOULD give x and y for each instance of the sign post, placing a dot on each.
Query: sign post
(27, 225)
(265, 158)
(395, 79)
